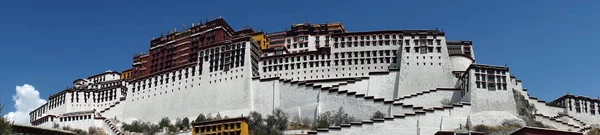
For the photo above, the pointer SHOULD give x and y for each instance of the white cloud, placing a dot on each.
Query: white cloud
(26, 100)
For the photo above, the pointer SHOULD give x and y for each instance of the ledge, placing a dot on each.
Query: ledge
(399, 116)
(378, 120)
(269, 79)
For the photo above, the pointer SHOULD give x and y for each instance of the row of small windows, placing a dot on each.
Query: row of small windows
(490, 79)
(336, 56)
(75, 118)
(424, 63)
(365, 53)
(225, 58)
(423, 49)
(97, 97)
(297, 45)
(118, 83)
(56, 101)
(164, 78)
(490, 71)
(220, 128)
(43, 120)
(430, 57)
(581, 106)
(385, 42)
(491, 86)
(375, 37)
(296, 58)
(343, 62)
(328, 70)
(99, 79)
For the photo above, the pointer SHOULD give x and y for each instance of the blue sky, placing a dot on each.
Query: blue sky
(550, 45)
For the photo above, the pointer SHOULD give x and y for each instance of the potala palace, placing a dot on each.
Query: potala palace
(305, 70)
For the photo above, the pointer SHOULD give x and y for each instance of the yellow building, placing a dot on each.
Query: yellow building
(233, 126)
(126, 74)
(261, 39)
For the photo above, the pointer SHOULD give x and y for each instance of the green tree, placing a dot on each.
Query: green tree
(186, 123)
(209, 117)
(164, 122)
(140, 127)
(218, 117)
(281, 119)
(323, 121)
(255, 124)
(306, 121)
(340, 117)
(178, 124)
(271, 123)
(200, 118)
(5, 124)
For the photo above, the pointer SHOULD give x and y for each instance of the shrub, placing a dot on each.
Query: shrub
(378, 115)
(281, 119)
(55, 126)
(446, 101)
(526, 110)
(95, 131)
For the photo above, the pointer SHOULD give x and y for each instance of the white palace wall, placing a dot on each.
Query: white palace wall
(424, 71)
(382, 85)
(225, 92)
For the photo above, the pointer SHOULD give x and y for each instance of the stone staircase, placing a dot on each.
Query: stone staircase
(581, 123)
(396, 118)
(108, 122)
(423, 93)
(336, 88)
(434, 97)
(557, 121)
(113, 127)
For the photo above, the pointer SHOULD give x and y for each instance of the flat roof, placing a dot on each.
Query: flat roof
(220, 121)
